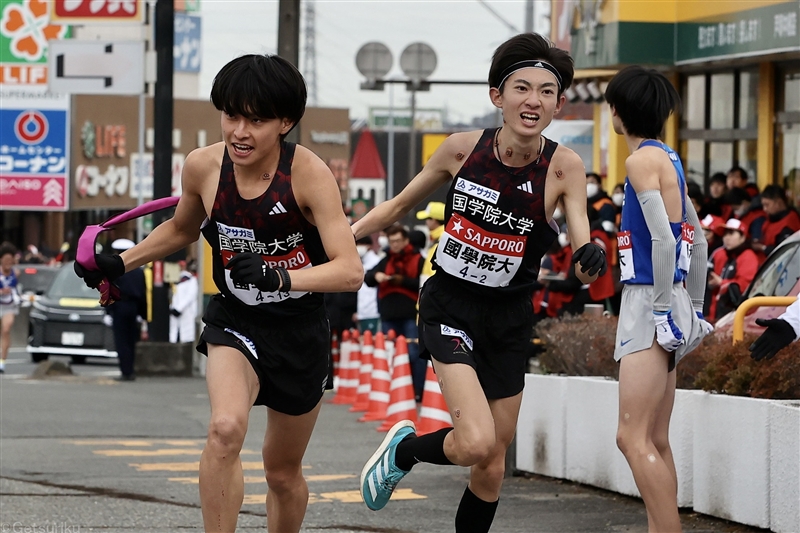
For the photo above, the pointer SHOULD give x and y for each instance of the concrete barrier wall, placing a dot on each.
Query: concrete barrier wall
(736, 458)
(784, 466)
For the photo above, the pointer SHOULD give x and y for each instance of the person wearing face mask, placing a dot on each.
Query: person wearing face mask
(734, 267)
(597, 199)
(367, 315)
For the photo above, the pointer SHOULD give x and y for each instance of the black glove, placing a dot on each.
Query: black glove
(250, 269)
(174, 312)
(111, 267)
(778, 335)
(592, 259)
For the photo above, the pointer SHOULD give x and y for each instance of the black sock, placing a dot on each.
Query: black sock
(474, 515)
(425, 449)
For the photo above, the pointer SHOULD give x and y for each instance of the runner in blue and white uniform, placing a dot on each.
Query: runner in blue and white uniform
(662, 257)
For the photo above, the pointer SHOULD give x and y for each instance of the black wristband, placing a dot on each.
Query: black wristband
(286, 281)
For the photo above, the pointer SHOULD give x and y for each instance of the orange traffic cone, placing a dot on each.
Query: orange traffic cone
(402, 405)
(381, 383)
(433, 415)
(364, 374)
(335, 353)
(348, 369)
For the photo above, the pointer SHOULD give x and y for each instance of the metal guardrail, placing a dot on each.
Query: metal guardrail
(750, 303)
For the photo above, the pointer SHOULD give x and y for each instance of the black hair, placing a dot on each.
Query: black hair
(397, 228)
(7, 248)
(718, 177)
(596, 176)
(774, 192)
(739, 170)
(736, 196)
(262, 86)
(643, 99)
(527, 46)
(366, 239)
(417, 239)
(694, 191)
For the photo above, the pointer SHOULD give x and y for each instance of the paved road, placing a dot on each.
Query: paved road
(86, 453)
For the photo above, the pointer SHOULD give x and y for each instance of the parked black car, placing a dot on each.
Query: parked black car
(33, 280)
(68, 320)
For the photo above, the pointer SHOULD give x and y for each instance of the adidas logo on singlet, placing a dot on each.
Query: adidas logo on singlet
(278, 209)
(527, 187)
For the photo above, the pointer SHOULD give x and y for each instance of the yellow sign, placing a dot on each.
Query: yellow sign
(430, 142)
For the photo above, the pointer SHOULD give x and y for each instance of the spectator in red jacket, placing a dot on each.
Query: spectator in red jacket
(742, 208)
(782, 221)
(734, 267)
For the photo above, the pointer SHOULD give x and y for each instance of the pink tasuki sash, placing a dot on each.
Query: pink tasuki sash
(109, 293)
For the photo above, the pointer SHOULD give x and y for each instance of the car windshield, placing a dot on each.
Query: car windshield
(35, 278)
(67, 284)
(779, 274)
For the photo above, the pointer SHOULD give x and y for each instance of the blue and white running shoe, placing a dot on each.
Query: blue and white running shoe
(380, 475)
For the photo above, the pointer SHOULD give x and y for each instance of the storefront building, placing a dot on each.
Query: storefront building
(735, 64)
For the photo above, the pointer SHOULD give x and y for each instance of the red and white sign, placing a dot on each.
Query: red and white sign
(479, 256)
(89, 11)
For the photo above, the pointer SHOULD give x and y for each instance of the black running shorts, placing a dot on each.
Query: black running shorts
(288, 354)
(491, 336)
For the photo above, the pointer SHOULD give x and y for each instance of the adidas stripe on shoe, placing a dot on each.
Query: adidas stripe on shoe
(380, 474)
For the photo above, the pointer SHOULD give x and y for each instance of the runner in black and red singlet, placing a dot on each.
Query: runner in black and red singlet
(271, 211)
(475, 314)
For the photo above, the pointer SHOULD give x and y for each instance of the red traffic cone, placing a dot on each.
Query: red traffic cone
(402, 405)
(364, 374)
(434, 414)
(348, 369)
(381, 383)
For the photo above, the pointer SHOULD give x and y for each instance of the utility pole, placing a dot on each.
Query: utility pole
(529, 16)
(289, 42)
(162, 153)
(310, 53)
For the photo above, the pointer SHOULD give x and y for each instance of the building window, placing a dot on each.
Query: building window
(787, 130)
(716, 135)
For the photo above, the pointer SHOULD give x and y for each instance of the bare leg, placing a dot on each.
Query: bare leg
(232, 389)
(643, 383)
(486, 477)
(661, 428)
(285, 444)
(5, 335)
(473, 437)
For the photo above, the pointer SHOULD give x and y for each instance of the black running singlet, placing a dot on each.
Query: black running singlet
(271, 225)
(496, 231)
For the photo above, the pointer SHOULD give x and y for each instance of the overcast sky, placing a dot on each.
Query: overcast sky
(463, 33)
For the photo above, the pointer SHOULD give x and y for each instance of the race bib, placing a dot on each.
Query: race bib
(289, 253)
(687, 240)
(479, 256)
(625, 248)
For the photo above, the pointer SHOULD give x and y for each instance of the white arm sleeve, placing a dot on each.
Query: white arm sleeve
(663, 251)
(792, 316)
(696, 279)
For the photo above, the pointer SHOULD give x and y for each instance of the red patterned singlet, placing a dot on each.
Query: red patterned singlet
(496, 231)
(271, 225)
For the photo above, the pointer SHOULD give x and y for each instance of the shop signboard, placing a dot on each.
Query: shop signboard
(766, 29)
(34, 156)
(187, 49)
(424, 119)
(25, 28)
(96, 11)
